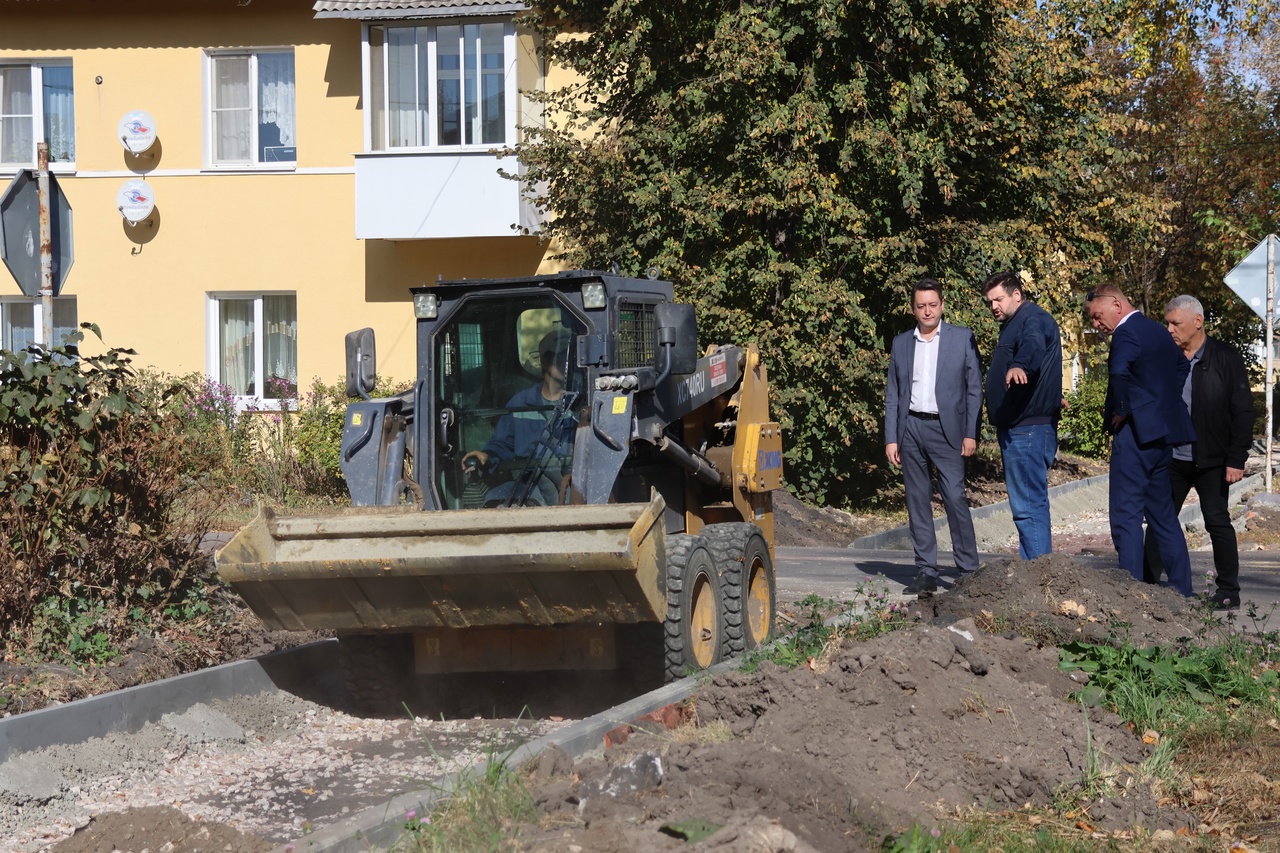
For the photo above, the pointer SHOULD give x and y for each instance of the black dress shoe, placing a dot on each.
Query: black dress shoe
(1226, 600)
(924, 586)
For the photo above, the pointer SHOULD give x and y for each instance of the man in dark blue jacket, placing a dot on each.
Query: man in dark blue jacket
(1217, 395)
(1145, 413)
(1024, 399)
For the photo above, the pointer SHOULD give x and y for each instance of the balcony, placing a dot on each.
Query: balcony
(434, 195)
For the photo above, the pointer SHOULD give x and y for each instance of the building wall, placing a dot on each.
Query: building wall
(146, 285)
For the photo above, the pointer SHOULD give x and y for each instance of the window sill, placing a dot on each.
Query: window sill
(251, 168)
(256, 406)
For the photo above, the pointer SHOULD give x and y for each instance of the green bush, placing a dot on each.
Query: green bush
(98, 510)
(1081, 429)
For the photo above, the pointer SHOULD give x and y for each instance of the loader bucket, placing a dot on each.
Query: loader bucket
(375, 569)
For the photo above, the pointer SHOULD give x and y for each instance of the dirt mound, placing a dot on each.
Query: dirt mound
(912, 726)
(1057, 600)
(158, 828)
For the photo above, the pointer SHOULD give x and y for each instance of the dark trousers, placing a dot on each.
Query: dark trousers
(1140, 490)
(1212, 488)
(924, 446)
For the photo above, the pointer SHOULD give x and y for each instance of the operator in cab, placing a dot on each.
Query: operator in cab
(529, 414)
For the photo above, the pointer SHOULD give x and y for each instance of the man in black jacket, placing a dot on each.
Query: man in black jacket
(1024, 400)
(1221, 406)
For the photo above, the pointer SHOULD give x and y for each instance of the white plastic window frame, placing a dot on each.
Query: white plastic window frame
(210, 80)
(213, 334)
(37, 67)
(510, 91)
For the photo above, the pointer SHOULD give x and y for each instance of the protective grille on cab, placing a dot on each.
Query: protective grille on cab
(637, 335)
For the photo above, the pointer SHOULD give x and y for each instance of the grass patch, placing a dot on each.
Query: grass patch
(480, 812)
(1034, 831)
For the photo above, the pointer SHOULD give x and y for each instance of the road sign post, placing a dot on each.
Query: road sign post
(1271, 314)
(35, 236)
(1254, 281)
(46, 244)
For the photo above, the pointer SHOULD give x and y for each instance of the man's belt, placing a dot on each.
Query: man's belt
(925, 416)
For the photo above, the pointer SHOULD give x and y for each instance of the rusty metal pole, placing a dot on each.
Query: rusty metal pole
(46, 245)
(1271, 318)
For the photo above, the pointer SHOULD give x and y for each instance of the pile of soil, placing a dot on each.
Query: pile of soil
(910, 727)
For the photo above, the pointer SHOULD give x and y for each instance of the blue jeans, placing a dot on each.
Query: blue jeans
(1028, 451)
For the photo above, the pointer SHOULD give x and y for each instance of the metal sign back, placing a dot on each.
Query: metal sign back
(1249, 278)
(20, 232)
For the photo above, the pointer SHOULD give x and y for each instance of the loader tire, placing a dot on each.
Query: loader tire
(376, 670)
(747, 583)
(693, 627)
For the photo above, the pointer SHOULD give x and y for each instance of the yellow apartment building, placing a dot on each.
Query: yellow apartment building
(252, 179)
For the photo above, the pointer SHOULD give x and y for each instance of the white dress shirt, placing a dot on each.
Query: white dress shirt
(924, 373)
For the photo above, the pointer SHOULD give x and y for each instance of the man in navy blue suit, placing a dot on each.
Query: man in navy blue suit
(933, 400)
(1145, 414)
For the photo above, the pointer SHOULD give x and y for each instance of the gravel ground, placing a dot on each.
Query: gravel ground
(271, 766)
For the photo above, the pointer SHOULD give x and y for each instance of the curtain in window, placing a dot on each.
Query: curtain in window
(406, 86)
(276, 108)
(64, 319)
(17, 128)
(59, 113)
(280, 357)
(377, 91)
(235, 345)
(231, 109)
(19, 325)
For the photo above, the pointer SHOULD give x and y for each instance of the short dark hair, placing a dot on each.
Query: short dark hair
(1009, 280)
(926, 284)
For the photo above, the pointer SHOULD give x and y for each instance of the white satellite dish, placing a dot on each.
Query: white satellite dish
(137, 131)
(135, 200)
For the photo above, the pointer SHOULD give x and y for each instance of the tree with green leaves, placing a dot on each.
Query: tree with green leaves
(1210, 157)
(794, 166)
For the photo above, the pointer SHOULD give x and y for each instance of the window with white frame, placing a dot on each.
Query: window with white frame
(253, 346)
(36, 105)
(22, 321)
(440, 86)
(251, 117)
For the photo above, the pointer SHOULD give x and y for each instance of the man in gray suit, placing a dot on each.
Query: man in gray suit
(933, 401)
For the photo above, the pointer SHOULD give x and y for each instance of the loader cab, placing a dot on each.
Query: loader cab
(508, 392)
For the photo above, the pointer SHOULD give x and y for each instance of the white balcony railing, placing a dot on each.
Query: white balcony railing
(423, 195)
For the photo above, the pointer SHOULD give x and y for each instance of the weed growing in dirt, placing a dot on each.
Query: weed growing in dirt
(479, 811)
(1163, 688)
(1024, 831)
(825, 624)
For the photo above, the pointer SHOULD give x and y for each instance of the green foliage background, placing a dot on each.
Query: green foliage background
(795, 166)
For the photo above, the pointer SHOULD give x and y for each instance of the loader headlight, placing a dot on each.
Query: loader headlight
(426, 306)
(593, 295)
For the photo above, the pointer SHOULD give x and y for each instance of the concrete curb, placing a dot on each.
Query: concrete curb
(1072, 497)
(380, 827)
(300, 671)
(993, 524)
(295, 670)
(1193, 517)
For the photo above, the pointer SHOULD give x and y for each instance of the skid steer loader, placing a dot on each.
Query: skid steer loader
(570, 484)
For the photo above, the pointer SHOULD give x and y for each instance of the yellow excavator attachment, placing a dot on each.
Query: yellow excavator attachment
(378, 569)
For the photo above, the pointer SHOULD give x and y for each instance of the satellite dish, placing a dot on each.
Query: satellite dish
(135, 201)
(137, 131)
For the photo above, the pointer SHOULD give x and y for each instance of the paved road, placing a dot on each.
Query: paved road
(845, 574)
